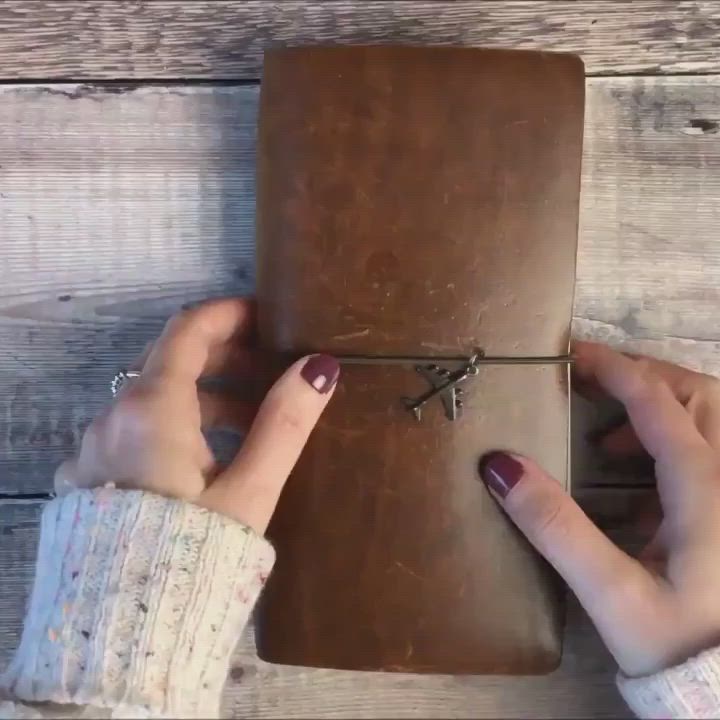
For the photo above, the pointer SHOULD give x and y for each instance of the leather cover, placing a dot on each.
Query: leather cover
(417, 201)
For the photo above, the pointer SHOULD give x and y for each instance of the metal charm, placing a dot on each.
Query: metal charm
(121, 377)
(444, 383)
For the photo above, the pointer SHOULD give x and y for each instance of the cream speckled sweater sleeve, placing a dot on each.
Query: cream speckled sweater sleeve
(138, 603)
(690, 690)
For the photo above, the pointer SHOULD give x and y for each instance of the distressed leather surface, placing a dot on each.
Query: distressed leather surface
(417, 201)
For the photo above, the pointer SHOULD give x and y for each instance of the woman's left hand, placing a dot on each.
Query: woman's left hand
(151, 437)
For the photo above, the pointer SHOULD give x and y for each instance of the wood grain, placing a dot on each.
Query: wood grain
(119, 205)
(213, 40)
(18, 543)
(116, 210)
(582, 687)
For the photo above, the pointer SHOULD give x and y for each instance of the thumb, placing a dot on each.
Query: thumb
(599, 573)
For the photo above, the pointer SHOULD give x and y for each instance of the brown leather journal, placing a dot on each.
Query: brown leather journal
(417, 202)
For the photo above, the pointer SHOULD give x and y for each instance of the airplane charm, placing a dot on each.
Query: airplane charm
(444, 382)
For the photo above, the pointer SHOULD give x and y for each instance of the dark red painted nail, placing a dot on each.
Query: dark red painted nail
(500, 472)
(321, 372)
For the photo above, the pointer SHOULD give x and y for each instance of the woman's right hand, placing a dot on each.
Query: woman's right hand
(663, 607)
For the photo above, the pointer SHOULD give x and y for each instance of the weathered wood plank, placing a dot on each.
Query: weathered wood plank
(648, 259)
(582, 687)
(267, 691)
(18, 543)
(212, 40)
(115, 210)
(119, 205)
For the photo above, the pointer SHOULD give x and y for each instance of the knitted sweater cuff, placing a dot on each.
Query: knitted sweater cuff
(138, 603)
(688, 690)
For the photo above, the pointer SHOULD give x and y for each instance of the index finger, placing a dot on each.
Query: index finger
(661, 422)
(183, 349)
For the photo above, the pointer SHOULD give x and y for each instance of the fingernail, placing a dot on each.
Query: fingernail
(321, 371)
(500, 472)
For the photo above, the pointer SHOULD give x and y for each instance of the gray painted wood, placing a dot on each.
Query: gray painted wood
(582, 687)
(18, 542)
(164, 39)
(119, 205)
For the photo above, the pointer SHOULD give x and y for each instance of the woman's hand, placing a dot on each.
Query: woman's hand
(151, 437)
(662, 608)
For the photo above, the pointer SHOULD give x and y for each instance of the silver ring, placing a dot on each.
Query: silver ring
(120, 379)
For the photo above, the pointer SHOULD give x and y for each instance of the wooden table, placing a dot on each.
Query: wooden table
(127, 153)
